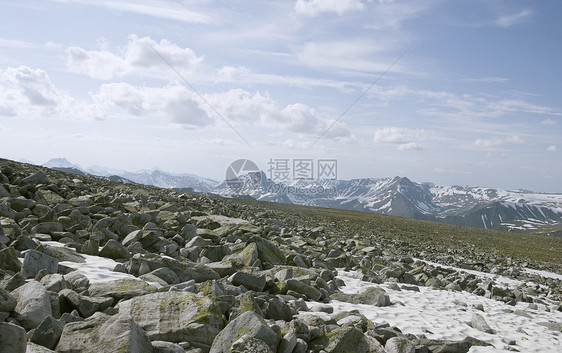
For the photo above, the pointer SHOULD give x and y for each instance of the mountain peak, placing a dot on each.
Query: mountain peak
(59, 163)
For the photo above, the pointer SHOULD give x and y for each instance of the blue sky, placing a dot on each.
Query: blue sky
(476, 100)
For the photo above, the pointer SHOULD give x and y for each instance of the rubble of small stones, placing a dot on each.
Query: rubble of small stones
(209, 275)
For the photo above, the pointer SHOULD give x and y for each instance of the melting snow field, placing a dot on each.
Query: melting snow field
(441, 314)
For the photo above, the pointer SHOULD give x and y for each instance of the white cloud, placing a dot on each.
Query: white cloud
(344, 55)
(488, 79)
(18, 44)
(552, 148)
(243, 107)
(171, 10)
(498, 141)
(172, 102)
(548, 122)
(406, 139)
(514, 19)
(315, 7)
(137, 57)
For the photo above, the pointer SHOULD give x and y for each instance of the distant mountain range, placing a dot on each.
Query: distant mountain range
(489, 208)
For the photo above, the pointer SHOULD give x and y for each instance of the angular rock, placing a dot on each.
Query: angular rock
(107, 334)
(175, 316)
(34, 304)
(249, 281)
(37, 178)
(247, 324)
(13, 338)
(478, 322)
(34, 261)
(306, 289)
(47, 334)
(445, 346)
(400, 345)
(120, 289)
(9, 260)
(269, 252)
(54, 282)
(114, 250)
(248, 344)
(166, 347)
(7, 301)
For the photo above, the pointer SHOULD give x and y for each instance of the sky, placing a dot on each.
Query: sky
(450, 92)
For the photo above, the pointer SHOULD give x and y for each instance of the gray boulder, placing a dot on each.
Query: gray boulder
(166, 347)
(269, 252)
(120, 289)
(34, 304)
(13, 338)
(248, 344)
(400, 345)
(247, 324)
(7, 301)
(34, 261)
(445, 346)
(248, 280)
(47, 334)
(306, 289)
(37, 178)
(478, 322)
(114, 250)
(9, 260)
(175, 316)
(104, 334)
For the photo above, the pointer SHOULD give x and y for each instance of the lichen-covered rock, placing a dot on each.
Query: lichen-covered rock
(247, 324)
(47, 334)
(34, 261)
(399, 345)
(255, 283)
(104, 334)
(34, 304)
(120, 288)
(268, 251)
(9, 260)
(13, 338)
(114, 250)
(175, 316)
(7, 301)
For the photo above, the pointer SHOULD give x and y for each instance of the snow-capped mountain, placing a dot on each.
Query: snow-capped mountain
(171, 181)
(489, 208)
(154, 177)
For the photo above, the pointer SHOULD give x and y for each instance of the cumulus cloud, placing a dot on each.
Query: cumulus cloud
(243, 107)
(551, 148)
(27, 91)
(498, 141)
(316, 7)
(173, 102)
(137, 57)
(406, 139)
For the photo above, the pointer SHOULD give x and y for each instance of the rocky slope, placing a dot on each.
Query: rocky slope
(93, 265)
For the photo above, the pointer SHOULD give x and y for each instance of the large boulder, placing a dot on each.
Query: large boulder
(34, 304)
(13, 338)
(9, 260)
(104, 334)
(247, 324)
(34, 261)
(175, 316)
(120, 289)
(47, 334)
(347, 339)
(269, 252)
